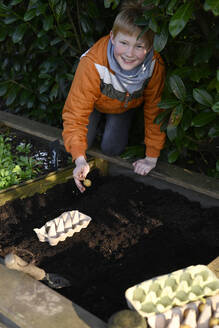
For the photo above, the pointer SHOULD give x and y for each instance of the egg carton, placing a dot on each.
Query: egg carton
(200, 314)
(63, 226)
(175, 289)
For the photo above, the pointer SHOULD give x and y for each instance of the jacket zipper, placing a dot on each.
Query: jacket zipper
(126, 99)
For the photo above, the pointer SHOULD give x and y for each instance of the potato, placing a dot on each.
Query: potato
(87, 183)
(201, 307)
(213, 322)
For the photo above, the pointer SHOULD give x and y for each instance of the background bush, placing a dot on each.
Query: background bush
(41, 42)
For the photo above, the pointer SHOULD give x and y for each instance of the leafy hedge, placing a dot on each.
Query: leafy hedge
(41, 42)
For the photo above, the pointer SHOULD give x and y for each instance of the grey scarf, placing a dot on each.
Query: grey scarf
(131, 80)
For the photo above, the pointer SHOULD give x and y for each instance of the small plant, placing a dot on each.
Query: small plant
(16, 168)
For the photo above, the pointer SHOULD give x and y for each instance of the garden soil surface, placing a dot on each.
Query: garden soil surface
(137, 232)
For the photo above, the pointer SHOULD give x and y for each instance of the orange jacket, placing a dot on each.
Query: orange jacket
(95, 86)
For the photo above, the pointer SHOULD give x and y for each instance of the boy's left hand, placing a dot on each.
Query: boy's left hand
(145, 165)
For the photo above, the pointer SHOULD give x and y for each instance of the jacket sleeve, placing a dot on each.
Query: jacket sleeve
(84, 91)
(154, 138)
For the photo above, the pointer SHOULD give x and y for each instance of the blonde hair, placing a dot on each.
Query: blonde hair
(125, 21)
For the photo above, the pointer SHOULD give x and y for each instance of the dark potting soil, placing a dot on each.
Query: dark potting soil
(137, 232)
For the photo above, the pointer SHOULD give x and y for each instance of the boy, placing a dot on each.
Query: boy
(113, 78)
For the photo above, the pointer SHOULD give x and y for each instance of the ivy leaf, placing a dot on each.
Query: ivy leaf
(181, 17)
(18, 34)
(203, 119)
(160, 40)
(177, 86)
(212, 5)
(202, 97)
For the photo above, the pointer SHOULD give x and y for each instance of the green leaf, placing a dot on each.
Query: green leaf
(173, 156)
(217, 74)
(15, 2)
(141, 21)
(10, 19)
(177, 86)
(151, 2)
(3, 34)
(3, 89)
(30, 14)
(213, 132)
(212, 5)
(168, 103)
(41, 9)
(172, 4)
(203, 119)
(18, 34)
(179, 20)
(186, 120)
(171, 132)
(48, 23)
(202, 97)
(11, 96)
(176, 115)
(54, 92)
(160, 40)
(24, 96)
(203, 55)
(161, 116)
(60, 9)
(153, 25)
(217, 166)
(215, 107)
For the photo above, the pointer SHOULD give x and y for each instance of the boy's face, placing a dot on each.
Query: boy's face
(128, 51)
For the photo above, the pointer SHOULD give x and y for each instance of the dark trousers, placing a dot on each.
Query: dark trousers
(115, 134)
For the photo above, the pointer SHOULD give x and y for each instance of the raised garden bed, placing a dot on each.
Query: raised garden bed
(137, 232)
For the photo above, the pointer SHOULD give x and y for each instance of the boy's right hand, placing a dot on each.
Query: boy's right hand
(80, 172)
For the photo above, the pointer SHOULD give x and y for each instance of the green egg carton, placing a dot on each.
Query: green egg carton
(174, 289)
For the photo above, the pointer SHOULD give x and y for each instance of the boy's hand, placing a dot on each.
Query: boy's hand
(80, 172)
(145, 165)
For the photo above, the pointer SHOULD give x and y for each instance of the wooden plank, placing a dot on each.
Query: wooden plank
(171, 174)
(40, 185)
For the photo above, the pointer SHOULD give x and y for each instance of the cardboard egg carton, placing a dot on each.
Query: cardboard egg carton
(200, 314)
(63, 226)
(178, 288)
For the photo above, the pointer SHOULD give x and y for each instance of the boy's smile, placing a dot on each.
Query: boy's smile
(128, 51)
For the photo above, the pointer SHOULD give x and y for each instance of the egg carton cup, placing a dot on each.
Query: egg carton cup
(63, 226)
(174, 289)
(187, 315)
